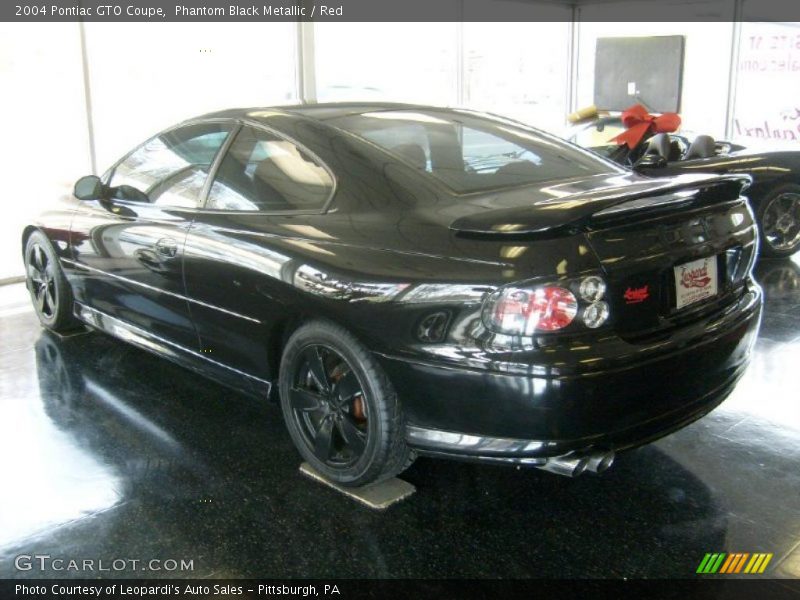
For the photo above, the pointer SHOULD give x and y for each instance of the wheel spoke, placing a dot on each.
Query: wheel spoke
(323, 441)
(317, 368)
(34, 275)
(33, 259)
(305, 400)
(353, 437)
(41, 258)
(346, 387)
(49, 297)
(40, 298)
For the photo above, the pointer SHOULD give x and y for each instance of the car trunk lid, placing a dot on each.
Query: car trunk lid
(565, 207)
(646, 235)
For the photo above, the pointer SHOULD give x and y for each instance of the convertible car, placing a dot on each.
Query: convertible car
(411, 280)
(774, 193)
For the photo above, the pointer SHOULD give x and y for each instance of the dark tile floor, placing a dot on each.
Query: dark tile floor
(108, 452)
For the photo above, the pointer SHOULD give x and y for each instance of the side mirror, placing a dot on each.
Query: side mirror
(650, 161)
(89, 188)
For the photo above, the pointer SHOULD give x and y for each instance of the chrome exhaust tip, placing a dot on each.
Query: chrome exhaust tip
(600, 461)
(569, 466)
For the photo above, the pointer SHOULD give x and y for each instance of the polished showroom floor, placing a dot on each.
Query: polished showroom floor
(108, 452)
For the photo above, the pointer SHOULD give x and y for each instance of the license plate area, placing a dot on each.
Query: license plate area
(695, 281)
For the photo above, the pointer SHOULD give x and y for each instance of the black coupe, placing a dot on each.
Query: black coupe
(412, 280)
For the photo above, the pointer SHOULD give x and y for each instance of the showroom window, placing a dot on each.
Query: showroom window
(147, 76)
(519, 70)
(172, 167)
(263, 172)
(767, 85)
(387, 62)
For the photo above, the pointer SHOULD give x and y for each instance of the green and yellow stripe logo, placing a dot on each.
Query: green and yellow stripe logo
(735, 562)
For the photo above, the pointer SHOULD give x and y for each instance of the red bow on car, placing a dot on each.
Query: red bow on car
(639, 122)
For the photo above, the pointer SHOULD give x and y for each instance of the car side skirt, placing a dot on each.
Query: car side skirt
(185, 357)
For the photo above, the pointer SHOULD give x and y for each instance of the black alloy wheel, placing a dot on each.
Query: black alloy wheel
(780, 221)
(341, 411)
(328, 406)
(42, 284)
(49, 290)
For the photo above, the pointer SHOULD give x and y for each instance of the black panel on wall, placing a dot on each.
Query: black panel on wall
(648, 70)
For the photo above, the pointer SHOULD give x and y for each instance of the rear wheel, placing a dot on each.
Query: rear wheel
(340, 408)
(49, 290)
(779, 220)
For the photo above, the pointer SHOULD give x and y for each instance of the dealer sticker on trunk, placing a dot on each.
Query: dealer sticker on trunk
(695, 281)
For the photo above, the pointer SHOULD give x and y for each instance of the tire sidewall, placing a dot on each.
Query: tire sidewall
(324, 334)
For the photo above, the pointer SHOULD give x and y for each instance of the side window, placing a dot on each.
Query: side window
(263, 172)
(172, 168)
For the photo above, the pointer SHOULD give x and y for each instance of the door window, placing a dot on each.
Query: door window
(263, 172)
(172, 167)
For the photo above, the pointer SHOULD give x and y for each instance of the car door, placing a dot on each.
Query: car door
(128, 249)
(239, 258)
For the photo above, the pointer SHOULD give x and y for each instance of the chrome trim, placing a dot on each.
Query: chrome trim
(97, 318)
(463, 443)
(213, 168)
(437, 442)
(160, 291)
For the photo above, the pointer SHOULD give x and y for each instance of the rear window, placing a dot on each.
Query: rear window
(470, 153)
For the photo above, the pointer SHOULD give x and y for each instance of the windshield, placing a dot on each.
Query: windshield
(469, 153)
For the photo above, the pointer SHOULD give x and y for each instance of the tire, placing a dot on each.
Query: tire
(341, 411)
(780, 238)
(47, 285)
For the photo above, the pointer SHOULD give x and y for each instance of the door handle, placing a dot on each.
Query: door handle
(167, 247)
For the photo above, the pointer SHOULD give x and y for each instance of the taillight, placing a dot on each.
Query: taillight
(516, 311)
(522, 311)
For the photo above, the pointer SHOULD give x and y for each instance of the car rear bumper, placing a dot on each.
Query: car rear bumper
(491, 415)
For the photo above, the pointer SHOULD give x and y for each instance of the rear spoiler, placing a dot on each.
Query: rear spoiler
(574, 213)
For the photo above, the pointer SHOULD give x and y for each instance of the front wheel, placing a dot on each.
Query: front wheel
(779, 220)
(340, 408)
(48, 287)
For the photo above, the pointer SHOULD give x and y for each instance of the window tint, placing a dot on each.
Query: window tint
(262, 172)
(172, 167)
(470, 153)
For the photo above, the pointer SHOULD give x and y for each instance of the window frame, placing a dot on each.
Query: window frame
(223, 152)
(109, 174)
(237, 124)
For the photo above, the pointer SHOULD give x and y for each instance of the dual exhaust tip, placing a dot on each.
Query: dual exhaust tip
(573, 465)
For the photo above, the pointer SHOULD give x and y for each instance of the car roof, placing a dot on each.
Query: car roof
(318, 111)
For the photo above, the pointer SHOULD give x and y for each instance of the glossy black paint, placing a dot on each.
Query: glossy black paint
(220, 292)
